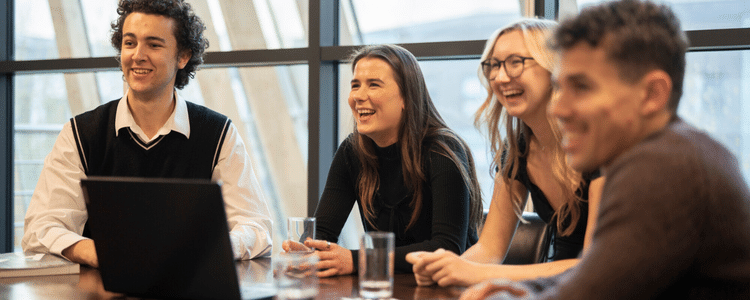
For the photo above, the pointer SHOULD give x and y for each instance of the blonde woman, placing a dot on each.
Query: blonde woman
(516, 70)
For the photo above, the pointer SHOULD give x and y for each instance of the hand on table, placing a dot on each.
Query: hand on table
(444, 268)
(294, 246)
(498, 289)
(333, 259)
(82, 252)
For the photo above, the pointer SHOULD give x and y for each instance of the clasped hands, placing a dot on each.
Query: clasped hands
(446, 268)
(332, 259)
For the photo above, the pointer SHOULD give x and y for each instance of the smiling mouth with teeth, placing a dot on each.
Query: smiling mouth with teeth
(141, 71)
(365, 112)
(512, 93)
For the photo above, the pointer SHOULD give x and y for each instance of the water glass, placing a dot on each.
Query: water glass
(376, 265)
(295, 276)
(299, 229)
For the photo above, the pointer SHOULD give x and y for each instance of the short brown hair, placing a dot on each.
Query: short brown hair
(639, 36)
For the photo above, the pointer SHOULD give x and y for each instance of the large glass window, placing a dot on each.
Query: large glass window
(715, 99)
(704, 14)
(416, 21)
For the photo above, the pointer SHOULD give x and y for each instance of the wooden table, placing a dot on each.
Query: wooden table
(88, 285)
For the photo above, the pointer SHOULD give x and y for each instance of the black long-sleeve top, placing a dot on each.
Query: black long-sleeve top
(443, 220)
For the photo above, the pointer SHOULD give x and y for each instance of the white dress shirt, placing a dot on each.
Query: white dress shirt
(57, 212)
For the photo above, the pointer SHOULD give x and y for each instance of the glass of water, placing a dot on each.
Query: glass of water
(376, 265)
(300, 229)
(295, 276)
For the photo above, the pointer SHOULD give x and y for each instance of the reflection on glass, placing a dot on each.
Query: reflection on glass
(413, 21)
(99, 16)
(250, 25)
(34, 35)
(704, 14)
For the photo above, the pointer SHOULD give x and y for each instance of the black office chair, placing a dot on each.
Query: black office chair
(531, 242)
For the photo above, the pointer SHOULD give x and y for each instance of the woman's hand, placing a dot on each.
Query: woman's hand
(333, 259)
(444, 268)
(293, 246)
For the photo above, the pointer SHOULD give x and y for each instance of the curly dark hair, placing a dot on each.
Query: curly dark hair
(188, 30)
(639, 36)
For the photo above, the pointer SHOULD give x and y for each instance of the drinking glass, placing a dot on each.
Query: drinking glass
(295, 276)
(376, 265)
(299, 230)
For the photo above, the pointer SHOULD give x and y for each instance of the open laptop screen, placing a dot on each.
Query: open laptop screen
(164, 238)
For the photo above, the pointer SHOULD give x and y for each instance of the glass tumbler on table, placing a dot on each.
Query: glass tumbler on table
(295, 276)
(376, 265)
(300, 229)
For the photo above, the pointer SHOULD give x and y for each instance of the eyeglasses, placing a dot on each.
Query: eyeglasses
(514, 66)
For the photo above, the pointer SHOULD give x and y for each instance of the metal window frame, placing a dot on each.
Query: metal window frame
(6, 128)
(322, 55)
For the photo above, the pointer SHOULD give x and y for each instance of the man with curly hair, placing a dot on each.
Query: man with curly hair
(150, 132)
(674, 216)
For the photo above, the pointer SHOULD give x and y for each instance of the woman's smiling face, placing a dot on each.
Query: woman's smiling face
(527, 94)
(376, 101)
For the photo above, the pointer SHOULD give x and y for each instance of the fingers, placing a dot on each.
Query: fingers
(414, 257)
(292, 246)
(423, 280)
(487, 288)
(479, 291)
(425, 260)
(328, 272)
(320, 244)
(337, 261)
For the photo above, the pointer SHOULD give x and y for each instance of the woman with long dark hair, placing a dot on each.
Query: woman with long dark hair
(406, 170)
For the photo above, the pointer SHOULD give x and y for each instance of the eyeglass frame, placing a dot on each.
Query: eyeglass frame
(502, 63)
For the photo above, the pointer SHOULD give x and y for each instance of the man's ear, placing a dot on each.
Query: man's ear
(183, 58)
(658, 90)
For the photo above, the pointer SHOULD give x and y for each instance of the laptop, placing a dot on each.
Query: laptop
(164, 238)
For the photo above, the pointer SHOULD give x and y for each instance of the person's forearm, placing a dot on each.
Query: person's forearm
(480, 254)
(82, 252)
(524, 272)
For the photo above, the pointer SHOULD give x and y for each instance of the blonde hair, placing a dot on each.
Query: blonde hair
(536, 33)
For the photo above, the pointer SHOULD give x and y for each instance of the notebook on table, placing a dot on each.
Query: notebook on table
(164, 238)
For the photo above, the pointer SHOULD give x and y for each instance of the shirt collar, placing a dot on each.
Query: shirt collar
(178, 121)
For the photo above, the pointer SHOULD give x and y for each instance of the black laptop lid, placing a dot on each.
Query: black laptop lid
(163, 238)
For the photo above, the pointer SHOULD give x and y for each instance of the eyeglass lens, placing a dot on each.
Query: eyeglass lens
(513, 67)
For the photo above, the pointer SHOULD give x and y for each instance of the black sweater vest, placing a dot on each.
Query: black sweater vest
(173, 155)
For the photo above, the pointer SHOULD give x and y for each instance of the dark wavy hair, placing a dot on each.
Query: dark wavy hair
(421, 122)
(188, 30)
(638, 36)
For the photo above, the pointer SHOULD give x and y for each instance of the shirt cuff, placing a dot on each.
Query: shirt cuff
(63, 242)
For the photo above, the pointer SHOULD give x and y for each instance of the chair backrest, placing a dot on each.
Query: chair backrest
(531, 242)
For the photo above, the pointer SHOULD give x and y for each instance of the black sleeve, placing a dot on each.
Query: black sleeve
(450, 210)
(338, 197)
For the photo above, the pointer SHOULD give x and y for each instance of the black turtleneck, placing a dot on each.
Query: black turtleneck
(443, 220)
